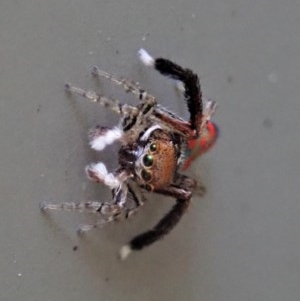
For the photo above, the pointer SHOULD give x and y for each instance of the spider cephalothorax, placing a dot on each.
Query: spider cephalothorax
(155, 145)
(156, 159)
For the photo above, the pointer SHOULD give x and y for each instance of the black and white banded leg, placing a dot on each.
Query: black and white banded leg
(168, 222)
(190, 80)
(132, 115)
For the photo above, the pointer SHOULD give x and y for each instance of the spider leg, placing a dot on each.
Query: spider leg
(183, 195)
(186, 182)
(115, 181)
(146, 106)
(115, 212)
(132, 114)
(166, 224)
(208, 111)
(148, 101)
(112, 104)
(138, 201)
(104, 208)
(127, 85)
(191, 184)
(190, 80)
(109, 210)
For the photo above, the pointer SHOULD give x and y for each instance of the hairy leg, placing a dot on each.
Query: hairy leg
(166, 224)
(192, 90)
(112, 104)
(127, 85)
(182, 193)
(148, 101)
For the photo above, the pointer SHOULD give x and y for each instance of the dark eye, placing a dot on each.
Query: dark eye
(153, 147)
(146, 176)
(148, 160)
(148, 187)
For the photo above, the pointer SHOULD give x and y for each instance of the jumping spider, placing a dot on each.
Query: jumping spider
(155, 144)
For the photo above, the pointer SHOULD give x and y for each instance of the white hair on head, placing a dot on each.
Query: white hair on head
(149, 131)
(100, 142)
(146, 58)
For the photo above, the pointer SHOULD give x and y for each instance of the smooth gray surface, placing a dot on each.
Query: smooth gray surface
(240, 242)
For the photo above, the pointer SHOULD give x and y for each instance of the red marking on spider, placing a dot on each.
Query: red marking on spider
(199, 146)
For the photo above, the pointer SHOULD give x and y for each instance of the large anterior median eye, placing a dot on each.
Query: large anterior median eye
(146, 176)
(148, 160)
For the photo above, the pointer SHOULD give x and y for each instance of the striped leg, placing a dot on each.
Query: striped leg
(126, 84)
(148, 101)
(117, 211)
(112, 104)
(110, 211)
(115, 181)
(132, 114)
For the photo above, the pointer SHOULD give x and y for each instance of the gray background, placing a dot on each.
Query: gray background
(242, 240)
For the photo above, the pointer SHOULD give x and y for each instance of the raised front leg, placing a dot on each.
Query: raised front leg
(190, 80)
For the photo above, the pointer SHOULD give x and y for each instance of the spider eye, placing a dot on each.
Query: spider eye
(148, 187)
(146, 176)
(153, 147)
(148, 160)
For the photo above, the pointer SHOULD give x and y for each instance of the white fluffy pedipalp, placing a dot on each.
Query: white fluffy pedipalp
(100, 172)
(100, 142)
(146, 58)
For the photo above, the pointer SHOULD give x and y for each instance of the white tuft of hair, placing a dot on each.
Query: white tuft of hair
(107, 178)
(100, 142)
(146, 58)
(179, 86)
(124, 252)
(99, 169)
(147, 134)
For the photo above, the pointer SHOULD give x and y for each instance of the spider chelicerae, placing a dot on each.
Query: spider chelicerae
(156, 145)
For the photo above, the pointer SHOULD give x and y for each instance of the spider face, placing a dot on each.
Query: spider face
(158, 161)
(155, 145)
